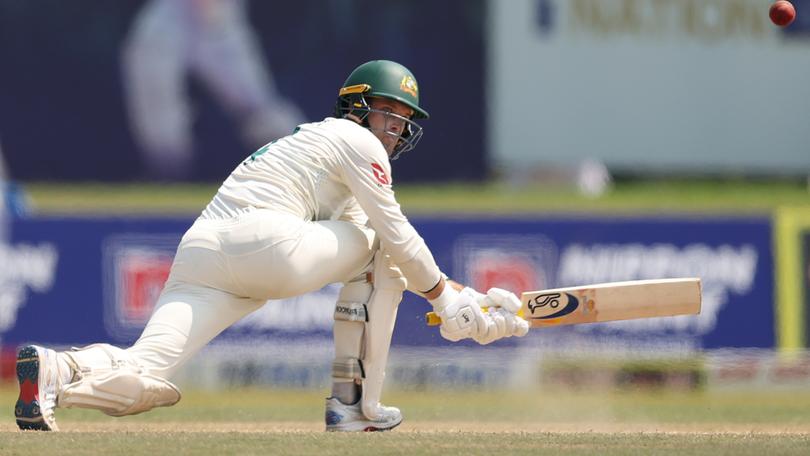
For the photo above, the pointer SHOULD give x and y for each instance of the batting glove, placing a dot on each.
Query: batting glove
(501, 323)
(498, 297)
(460, 312)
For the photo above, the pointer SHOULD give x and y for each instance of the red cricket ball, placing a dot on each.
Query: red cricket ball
(782, 13)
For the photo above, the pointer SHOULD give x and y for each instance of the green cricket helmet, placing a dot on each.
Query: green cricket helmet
(384, 79)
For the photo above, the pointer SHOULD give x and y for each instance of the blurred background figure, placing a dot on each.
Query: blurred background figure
(13, 204)
(14, 200)
(593, 178)
(4, 208)
(210, 40)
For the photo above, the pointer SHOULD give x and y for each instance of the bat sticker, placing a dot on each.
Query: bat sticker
(550, 302)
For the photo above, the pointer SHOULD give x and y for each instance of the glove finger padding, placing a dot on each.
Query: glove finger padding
(488, 332)
(508, 322)
(514, 325)
(504, 299)
(520, 326)
(500, 324)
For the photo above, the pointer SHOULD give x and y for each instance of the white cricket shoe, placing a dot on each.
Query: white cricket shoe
(38, 374)
(350, 418)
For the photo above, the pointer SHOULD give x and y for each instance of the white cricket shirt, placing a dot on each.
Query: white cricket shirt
(333, 169)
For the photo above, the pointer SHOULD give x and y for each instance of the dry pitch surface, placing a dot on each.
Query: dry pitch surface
(468, 422)
(431, 438)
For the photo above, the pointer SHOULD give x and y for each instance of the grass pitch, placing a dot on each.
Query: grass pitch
(266, 421)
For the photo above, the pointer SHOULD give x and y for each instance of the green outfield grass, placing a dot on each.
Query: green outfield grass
(695, 196)
(259, 421)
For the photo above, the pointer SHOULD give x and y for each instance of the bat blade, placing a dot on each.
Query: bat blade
(610, 301)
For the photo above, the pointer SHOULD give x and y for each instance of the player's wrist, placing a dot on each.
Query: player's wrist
(446, 297)
(437, 289)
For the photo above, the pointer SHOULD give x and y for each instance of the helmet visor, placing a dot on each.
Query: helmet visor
(398, 133)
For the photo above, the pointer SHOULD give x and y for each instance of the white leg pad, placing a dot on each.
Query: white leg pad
(389, 284)
(110, 380)
(120, 392)
(349, 329)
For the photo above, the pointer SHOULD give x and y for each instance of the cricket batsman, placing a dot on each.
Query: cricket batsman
(312, 208)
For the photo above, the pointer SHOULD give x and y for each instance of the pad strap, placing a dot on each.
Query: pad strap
(349, 368)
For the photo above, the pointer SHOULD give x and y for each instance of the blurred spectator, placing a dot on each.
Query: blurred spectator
(593, 178)
(212, 41)
(14, 201)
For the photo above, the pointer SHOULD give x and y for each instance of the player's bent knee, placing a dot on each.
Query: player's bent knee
(120, 392)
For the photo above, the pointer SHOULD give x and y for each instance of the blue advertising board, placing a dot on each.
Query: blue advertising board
(73, 281)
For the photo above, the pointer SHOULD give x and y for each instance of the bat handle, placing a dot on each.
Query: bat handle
(433, 319)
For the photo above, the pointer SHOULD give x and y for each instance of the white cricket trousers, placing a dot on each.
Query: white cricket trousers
(226, 269)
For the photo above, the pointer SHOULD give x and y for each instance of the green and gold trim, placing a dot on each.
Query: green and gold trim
(359, 88)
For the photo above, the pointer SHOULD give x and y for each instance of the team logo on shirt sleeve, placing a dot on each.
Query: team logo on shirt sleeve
(379, 174)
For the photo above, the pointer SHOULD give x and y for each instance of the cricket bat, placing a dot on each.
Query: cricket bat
(606, 302)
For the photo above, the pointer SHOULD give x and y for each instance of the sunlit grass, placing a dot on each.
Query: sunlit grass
(692, 196)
